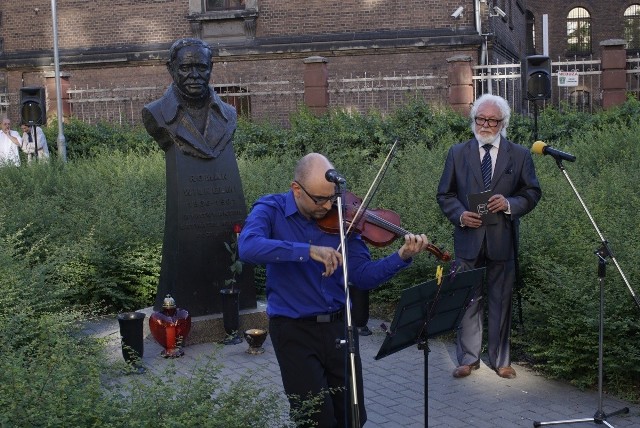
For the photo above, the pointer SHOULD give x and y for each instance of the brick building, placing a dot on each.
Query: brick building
(116, 44)
(577, 27)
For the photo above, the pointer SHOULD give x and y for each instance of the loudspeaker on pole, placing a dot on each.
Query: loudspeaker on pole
(535, 73)
(33, 105)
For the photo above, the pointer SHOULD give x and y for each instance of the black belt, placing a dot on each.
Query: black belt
(334, 316)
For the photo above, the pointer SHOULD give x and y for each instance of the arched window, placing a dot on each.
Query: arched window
(632, 27)
(578, 31)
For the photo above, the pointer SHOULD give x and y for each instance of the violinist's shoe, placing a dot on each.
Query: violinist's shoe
(465, 370)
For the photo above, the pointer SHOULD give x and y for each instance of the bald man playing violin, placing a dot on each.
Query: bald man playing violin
(305, 288)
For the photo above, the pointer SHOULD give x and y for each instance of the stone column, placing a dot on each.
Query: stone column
(614, 74)
(316, 84)
(460, 78)
(52, 99)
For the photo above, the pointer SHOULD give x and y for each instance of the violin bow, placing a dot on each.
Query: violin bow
(374, 186)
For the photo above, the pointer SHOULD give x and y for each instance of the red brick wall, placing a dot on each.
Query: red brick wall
(509, 33)
(606, 22)
(129, 26)
(95, 23)
(279, 17)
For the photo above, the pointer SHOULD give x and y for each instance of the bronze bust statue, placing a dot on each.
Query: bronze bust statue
(204, 200)
(190, 114)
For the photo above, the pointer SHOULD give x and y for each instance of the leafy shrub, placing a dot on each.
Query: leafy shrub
(91, 229)
(86, 140)
(98, 221)
(54, 375)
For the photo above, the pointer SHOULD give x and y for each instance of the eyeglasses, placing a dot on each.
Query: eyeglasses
(480, 121)
(318, 200)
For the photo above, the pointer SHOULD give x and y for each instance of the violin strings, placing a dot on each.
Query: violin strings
(374, 184)
(386, 224)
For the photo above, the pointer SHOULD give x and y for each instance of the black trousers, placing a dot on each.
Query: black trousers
(311, 365)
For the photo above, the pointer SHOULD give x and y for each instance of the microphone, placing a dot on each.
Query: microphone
(334, 176)
(539, 147)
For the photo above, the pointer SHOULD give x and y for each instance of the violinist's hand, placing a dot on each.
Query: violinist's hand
(413, 244)
(329, 257)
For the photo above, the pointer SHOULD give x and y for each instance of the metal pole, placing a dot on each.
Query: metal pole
(62, 143)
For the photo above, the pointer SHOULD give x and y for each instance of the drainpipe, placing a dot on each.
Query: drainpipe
(483, 52)
(484, 49)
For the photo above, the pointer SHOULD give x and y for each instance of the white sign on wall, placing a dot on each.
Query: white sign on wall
(567, 78)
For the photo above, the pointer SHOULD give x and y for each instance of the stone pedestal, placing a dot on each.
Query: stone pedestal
(210, 328)
(204, 202)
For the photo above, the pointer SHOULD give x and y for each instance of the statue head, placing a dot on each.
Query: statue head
(190, 67)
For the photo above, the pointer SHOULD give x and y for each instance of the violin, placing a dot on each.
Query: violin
(378, 227)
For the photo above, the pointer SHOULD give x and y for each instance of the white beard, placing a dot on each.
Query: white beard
(486, 140)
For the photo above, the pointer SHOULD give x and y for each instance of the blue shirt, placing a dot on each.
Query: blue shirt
(278, 236)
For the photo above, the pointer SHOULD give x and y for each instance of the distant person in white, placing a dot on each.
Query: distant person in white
(28, 145)
(9, 144)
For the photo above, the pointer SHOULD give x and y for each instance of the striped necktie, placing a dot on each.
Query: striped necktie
(485, 167)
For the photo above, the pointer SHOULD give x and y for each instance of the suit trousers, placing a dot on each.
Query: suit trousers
(499, 281)
(310, 365)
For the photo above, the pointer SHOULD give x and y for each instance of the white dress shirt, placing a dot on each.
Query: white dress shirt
(9, 152)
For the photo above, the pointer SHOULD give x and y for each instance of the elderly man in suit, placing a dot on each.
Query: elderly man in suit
(487, 163)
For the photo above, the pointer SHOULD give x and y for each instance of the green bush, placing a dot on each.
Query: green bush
(98, 221)
(53, 375)
(560, 265)
(86, 140)
(91, 229)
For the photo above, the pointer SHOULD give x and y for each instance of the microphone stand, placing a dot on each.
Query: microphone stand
(350, 340)
(600, 417)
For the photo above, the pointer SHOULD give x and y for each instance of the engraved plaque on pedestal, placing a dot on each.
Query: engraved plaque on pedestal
(204, 201)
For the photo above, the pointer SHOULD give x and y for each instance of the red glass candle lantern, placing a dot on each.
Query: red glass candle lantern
(170, 327)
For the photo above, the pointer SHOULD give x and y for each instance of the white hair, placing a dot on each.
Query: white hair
(499, 102)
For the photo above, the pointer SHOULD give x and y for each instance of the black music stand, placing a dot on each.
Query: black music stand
(428, 310)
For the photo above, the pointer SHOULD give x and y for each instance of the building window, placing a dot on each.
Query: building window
(580, 98)
(211, 5)
(531, 33)
(578, 32)
(632, 27)
(237, 96)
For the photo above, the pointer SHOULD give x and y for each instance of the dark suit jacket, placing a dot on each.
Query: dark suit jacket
(168, 123)
(514, 177)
